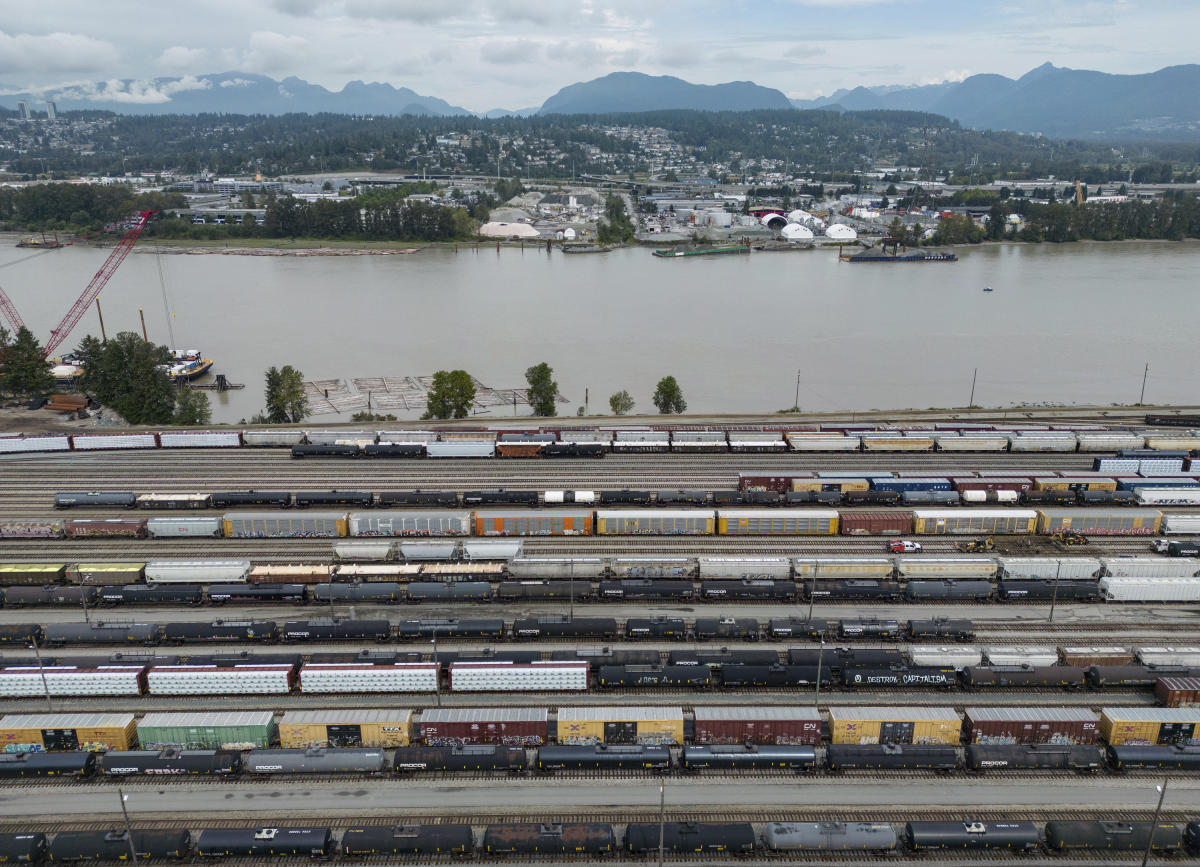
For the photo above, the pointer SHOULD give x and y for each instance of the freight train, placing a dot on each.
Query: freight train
(687, 840)
(367, 672)
(570, 442)
(519, 522)
(416, 760)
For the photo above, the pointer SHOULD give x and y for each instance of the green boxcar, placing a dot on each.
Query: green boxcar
(231, 730)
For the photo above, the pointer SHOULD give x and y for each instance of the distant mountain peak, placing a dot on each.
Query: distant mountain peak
(629, 91)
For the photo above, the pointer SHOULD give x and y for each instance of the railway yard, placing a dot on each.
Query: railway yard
(561, 651)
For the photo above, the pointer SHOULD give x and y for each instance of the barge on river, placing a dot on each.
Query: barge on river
(733, 249)
(895, 250)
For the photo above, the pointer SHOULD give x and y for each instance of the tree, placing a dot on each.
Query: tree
(128, 375)
(451, 395)
(192, 408)
(286, 400)
(23, 369)
(621, 402)
(668, 397)
(542, 389)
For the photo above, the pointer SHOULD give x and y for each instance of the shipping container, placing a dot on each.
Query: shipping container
(620, 725)
(876, 523)
(463, 726)
(757, 725)
(129, 528)
(229, 730)
(974, 521)
(894, 725)
(1031, 725)
(276, 525)
(1149, 725)
(66, 732)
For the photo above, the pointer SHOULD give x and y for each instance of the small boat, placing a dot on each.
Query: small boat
(188, 364)
(42, 243)
(703, 251)
(987, 288)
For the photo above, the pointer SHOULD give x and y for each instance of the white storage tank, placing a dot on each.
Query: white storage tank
(794, 233)
(956, 655)
(1037, 656)
(1151, 589)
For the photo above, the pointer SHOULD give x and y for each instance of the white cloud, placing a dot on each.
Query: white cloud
(508, 51)
(950, 75)
(130, 91)
(276, 53)
(181, 57)
(54, 53)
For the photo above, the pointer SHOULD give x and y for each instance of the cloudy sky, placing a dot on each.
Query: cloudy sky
(483, 54)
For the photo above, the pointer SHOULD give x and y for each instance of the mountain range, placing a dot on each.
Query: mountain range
(1051, 100)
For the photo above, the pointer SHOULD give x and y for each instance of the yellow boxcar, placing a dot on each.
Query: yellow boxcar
(895, 725)
(67, 732)
(799, 485)
(1150, 725)
(1074, 483)
(620, 725)
(938, 522)
(368, 727)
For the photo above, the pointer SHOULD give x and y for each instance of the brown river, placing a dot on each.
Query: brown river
(1074, 323)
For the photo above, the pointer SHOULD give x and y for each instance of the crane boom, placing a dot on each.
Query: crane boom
(6, 307)
(98, 282)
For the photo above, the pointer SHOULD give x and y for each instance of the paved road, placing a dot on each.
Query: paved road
(365, 797)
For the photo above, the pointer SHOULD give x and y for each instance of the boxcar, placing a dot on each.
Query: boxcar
(31, 528)
(777, 522)
(664, 522)
(544, 522)
(278, 525)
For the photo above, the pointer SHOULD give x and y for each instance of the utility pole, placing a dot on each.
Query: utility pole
(663, 815)
(971, 402)
(128, 830)
(812, 591)
(437, 673)
(42, 670)
(796, 402)
(817, 691)
(1162, 793)
(1054, 595)
(1145, 373)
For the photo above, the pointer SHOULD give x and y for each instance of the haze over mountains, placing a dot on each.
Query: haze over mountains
(1050, 100)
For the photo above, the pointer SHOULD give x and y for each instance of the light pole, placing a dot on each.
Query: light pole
(128, 830)
(42, 671)
(437, 672)
(1162, 793)
(662, 816)
(796, 402)
(1054, 595)
(817, 691)
(812, 591)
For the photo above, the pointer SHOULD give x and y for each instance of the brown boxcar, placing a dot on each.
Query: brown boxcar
(1031, 725)
(766, 481)
(1089, 656)
(1178, 691)
(134, 528)
(757, 725)
(876, 523)
(514, 726)
(519, 450)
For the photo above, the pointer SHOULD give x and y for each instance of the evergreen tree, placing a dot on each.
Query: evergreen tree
(451, 395)
(127, 375)
(23, 368)
(542, 389)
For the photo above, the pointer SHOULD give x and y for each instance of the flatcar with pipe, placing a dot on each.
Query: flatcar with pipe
(604, 757)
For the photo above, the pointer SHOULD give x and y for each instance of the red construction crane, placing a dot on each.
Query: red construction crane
(91, 293)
